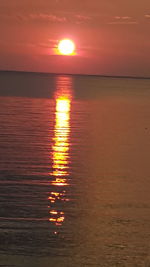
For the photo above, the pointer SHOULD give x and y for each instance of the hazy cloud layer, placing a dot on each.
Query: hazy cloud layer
(71, 18)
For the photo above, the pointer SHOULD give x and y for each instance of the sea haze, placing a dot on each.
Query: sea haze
(74, 170)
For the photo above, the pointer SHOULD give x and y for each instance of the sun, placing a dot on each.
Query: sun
(66, 47)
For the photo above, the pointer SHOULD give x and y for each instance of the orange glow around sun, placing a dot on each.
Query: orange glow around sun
(66, 47)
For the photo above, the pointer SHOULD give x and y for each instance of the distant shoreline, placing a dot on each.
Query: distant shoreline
(68, 74)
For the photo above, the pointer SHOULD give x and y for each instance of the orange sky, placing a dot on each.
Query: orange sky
(112, 36)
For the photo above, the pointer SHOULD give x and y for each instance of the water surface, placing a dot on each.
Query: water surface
(74, 171)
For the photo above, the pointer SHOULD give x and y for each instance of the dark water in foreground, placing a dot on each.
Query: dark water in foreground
(74, 171)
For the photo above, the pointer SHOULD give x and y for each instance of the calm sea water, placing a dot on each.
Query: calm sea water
(74, 171)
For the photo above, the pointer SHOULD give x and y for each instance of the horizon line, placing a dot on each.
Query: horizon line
(77, 74)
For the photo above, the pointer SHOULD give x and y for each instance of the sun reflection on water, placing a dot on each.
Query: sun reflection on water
(60, 150)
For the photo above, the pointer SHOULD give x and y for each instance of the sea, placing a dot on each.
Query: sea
(74, 171)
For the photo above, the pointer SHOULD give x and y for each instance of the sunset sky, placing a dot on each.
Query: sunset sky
(112, 36)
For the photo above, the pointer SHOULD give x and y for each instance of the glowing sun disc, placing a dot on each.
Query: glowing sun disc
(66, 47)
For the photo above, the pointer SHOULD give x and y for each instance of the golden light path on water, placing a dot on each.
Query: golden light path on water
(61, 146)
(60, 149)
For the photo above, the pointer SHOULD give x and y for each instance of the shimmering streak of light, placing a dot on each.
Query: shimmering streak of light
(54, 196)
(59, 182)
(58, 217)
(60, 149)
